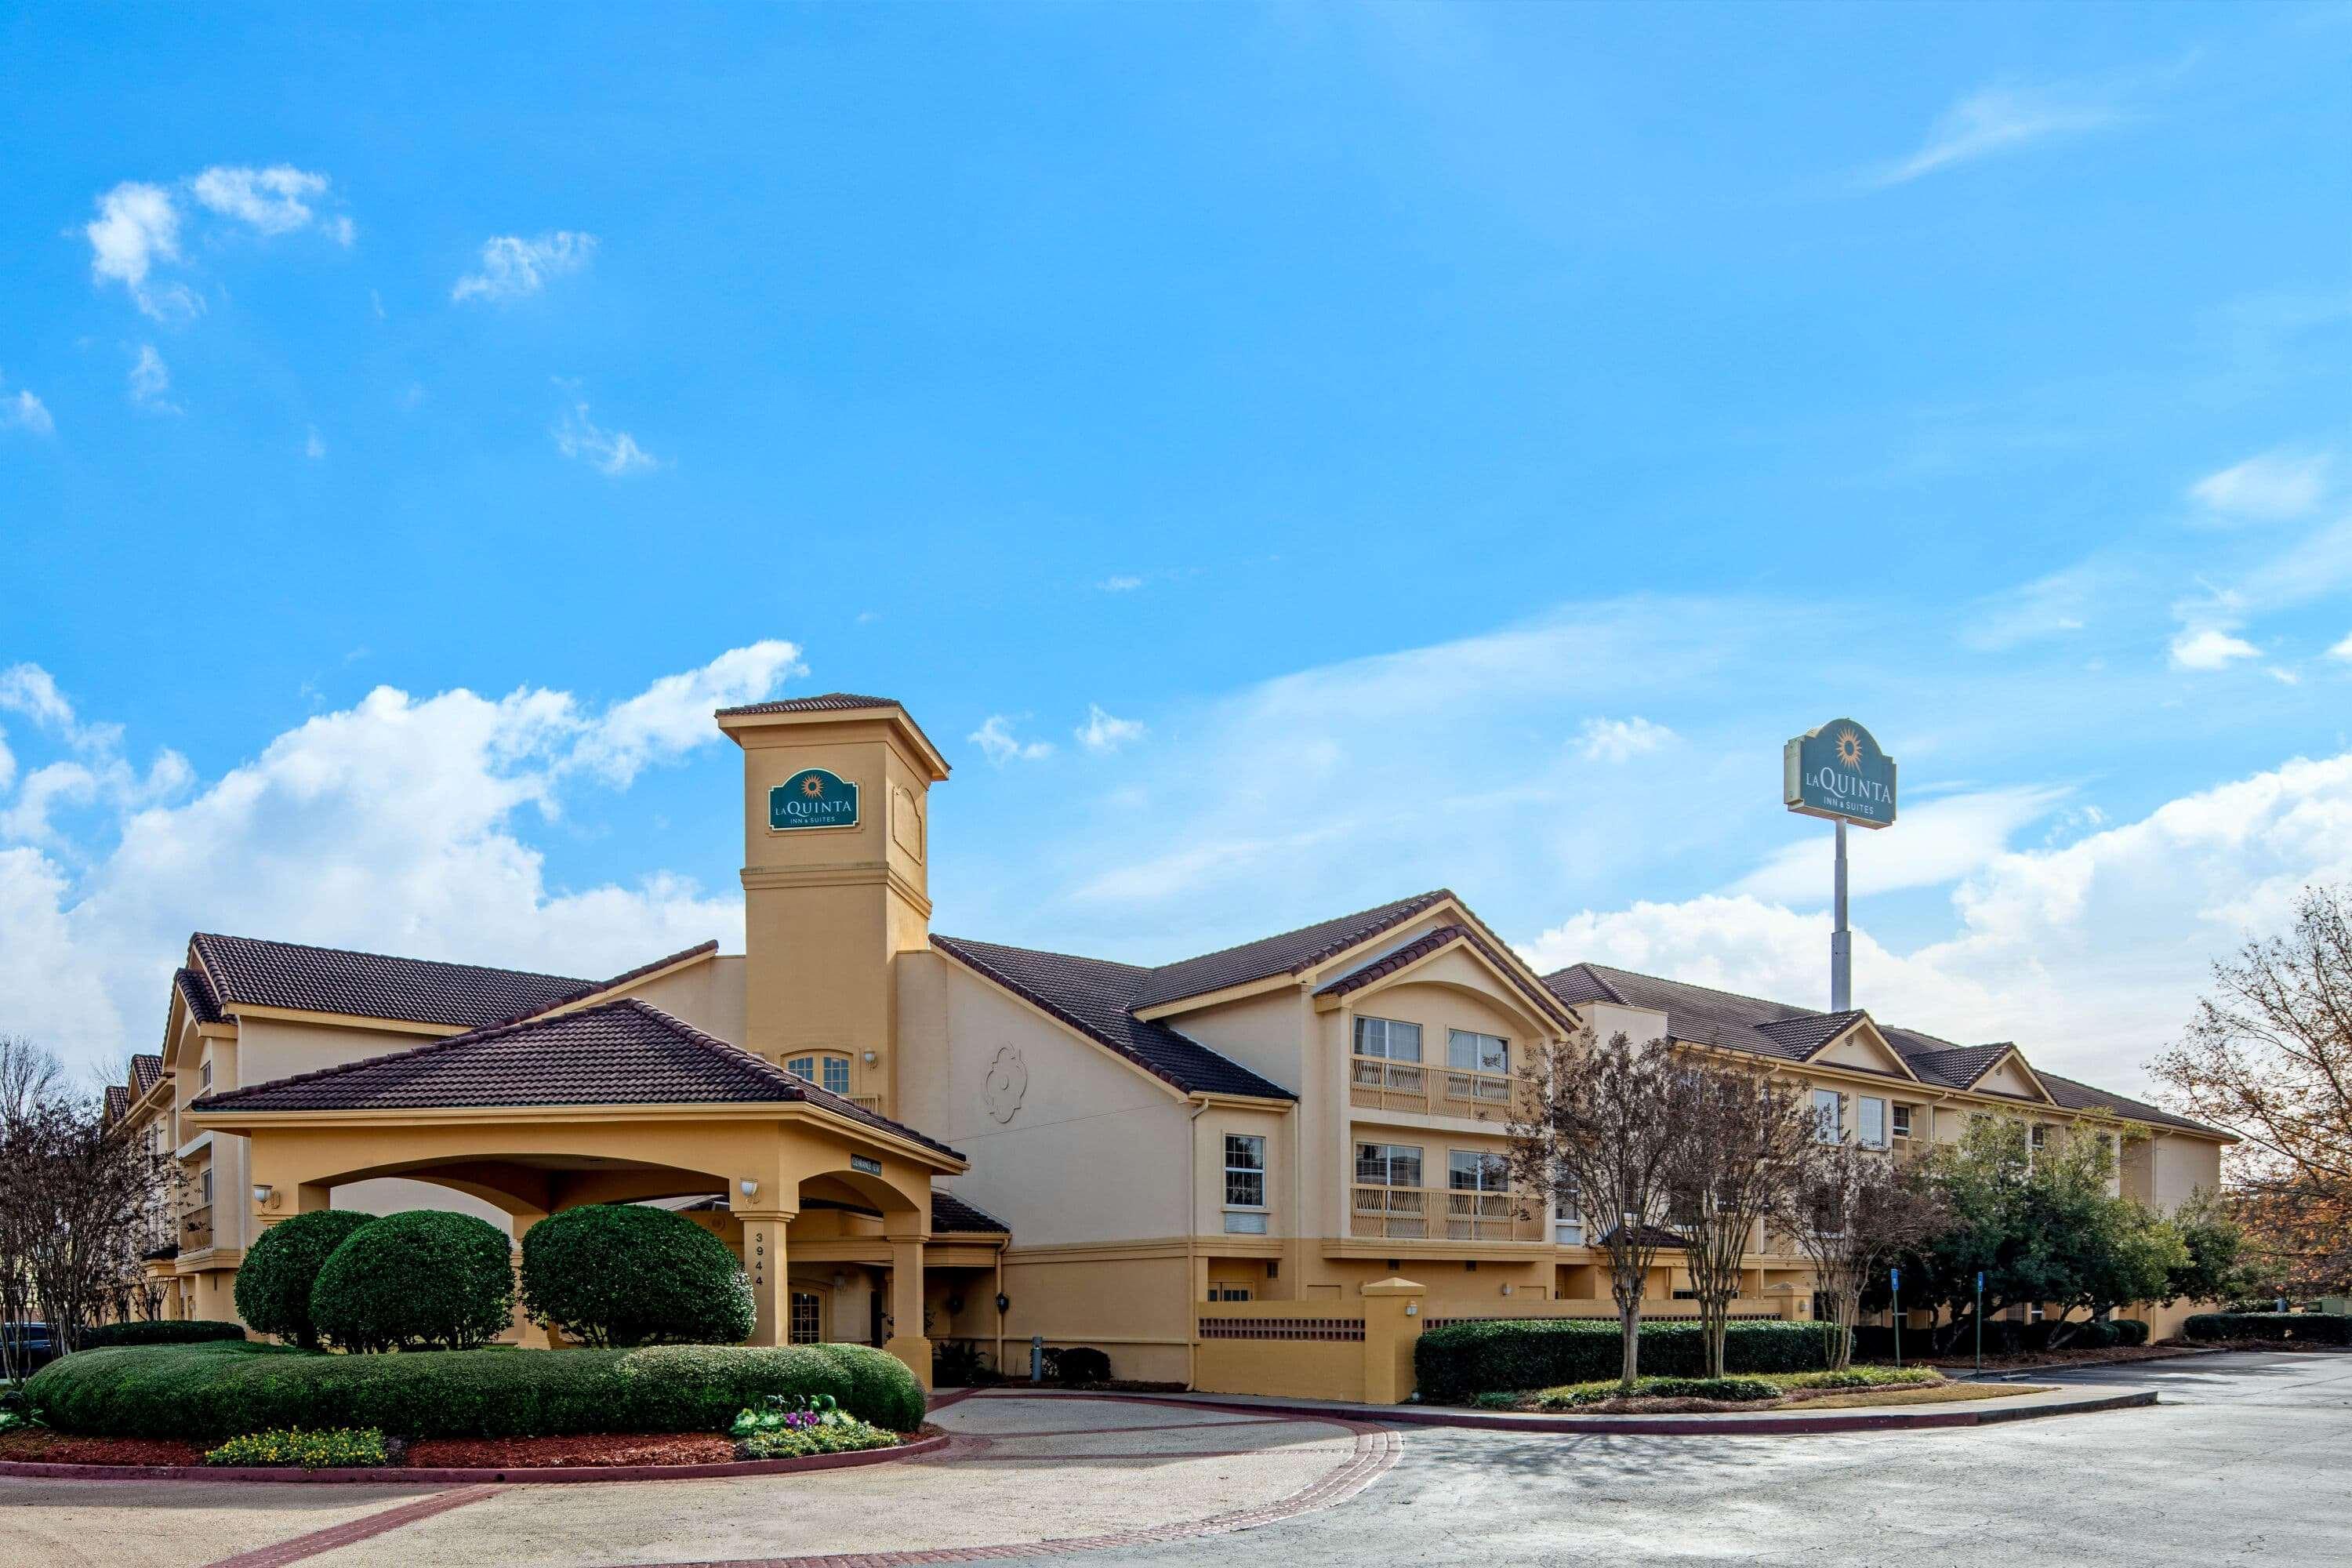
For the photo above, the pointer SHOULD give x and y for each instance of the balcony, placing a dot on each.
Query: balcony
(1377, 1084)
(872, 1102)
(1439, 1213)
(196, 1229)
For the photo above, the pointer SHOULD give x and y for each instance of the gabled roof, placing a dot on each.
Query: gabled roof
(198, 992)
(1286, 953)
(374, 984)
(626, 977)
(1097, 998)
(828, 702)
(145, 1072)
(118, 1101)
(1703, 1015)
(1431, 942)
(950, 1215)
(617, 1053)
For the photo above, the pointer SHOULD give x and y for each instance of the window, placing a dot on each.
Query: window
(807, 1326)
(1828, 1115)
(1244, 1171)
(204, 1073)
(1388, 1038)
(205, 1183)
(1469, 1171)
(1902, 1121)
(1468, 1051)
(1568, 1223)
(830, 1073)
(1229, 1293)
(1871, 1121)
(1388, 1165)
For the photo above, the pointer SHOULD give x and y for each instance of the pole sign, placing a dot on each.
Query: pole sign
(1838, 771)
(812, 797)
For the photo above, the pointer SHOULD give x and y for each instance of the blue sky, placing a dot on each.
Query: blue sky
(1287, 457)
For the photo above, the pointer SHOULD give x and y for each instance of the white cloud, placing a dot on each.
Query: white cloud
(1120, 584)
(151, 382)
(1101, 733)
(2273, 485)
(2209, 647)
(276, 200)
(1619, 740)
(1000, 745)
(1935, 842)
(138, 225)
(612, 453)
(398, 825)
(2001, 117)
(312, 447)
(20, 410)
(2343, 649)
(513, 267)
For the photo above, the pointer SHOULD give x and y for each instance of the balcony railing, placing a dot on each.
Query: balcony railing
(872, 1102)
(196, 1229)
(1377, 1084)
(1439, 1213)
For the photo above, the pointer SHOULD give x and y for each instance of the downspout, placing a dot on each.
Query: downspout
(999, 1363)
(1191, 1241)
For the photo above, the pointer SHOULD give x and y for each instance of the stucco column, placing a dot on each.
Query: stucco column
(306, 1198)
(763, 1266)
(528, 1331)
(908, 1341)
(1392, 1327)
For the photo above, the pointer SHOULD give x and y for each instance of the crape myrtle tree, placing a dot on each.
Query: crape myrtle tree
(1601, 1127)
(1852, 1212)
(2268, 1055)
(1745, 1146)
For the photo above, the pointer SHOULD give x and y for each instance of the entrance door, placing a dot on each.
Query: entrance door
(874, 1317)
(808, 1319)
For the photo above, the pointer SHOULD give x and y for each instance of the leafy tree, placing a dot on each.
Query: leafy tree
(1852, 1212)
(2216, 1264)
(1603, 1127)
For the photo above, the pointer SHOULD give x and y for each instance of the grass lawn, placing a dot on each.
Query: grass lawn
(1925, 1393)
(1855, 1388)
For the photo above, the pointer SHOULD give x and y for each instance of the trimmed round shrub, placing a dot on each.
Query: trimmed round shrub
(624, 1275)
(1455, 1363)
(162, 1332)
(420, 1279)
(215, 1391)
(273, 1285)
(2130, 1332)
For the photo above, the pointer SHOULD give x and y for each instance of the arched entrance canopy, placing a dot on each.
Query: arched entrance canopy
(611, 1104)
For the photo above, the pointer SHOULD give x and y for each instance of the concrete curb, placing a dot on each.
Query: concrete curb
(1767, 1425)
(447, 1475)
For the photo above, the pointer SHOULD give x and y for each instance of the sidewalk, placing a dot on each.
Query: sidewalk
(1775, 1423)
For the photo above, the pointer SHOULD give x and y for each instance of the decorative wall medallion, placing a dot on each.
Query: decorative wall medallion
(1007, 1081)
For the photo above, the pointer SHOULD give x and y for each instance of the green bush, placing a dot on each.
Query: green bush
(2310, 1328)
(2130, 1332)
(1730, 1390)
(220, 1390)
(1857, 1377)
(274, 1283)
(1461, 1360)
(623, 1274)
(422, 1277)
(163, 1331)
(337, 1448)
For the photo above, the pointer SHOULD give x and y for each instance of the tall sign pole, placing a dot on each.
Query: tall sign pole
(1839, 771)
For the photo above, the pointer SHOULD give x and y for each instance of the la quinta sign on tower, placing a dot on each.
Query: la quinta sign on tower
(1838, 771)
(812, 797)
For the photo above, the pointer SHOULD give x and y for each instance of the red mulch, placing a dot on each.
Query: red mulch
(63, 1448)
(588, 1448)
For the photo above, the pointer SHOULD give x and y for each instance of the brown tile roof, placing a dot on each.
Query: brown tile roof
(830, 702)
(1704, 1015)
(1286, 953)
(118, 1101)
(146, 1071)
(616, 1053)
(374, 984)
(950, 1215)
(1097, 997)
(1430, 942)
(198, 991)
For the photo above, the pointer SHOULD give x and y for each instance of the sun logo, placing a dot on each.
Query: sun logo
(1849, 748)
(813, 787)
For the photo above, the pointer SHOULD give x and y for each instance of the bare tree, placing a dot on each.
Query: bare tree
(1601, 1127)
(29, 1078)
(1852, 1213)
(1747, 1138)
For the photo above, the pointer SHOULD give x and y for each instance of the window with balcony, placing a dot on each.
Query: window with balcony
(1388, 1165)
(1870, 1117)
(1470, 1171)
(1469, 1051)
(1229, 1293)
(1389, 1040)
(830, 1073)
(1829, 1116)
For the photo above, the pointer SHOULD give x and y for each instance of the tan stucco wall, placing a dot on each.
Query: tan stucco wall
(709, 995)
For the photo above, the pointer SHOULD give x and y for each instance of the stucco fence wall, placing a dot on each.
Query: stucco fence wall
(1361, 1351)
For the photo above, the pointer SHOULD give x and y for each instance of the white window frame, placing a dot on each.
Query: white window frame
(1829, 1116)
(1477, 1044)
(1380, 1044)
(1255, 1143)
(1865, 1106)
(1388, 1162)
(823, 1062)
(1490, 1165)
(1899, 1120)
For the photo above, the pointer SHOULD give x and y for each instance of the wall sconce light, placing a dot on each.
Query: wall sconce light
(264, 1194)
(839, 1278)
(1412, 1308)
(751, 1188)
(870, 1057)
(1004, 1302)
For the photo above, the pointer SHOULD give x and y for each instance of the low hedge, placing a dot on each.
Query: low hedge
(1461, 1360)
(2313, 1328)
(221, 1389)
(2003, 1336)
(163, 1331)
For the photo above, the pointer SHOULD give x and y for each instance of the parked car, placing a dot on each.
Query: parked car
(29, 1346)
